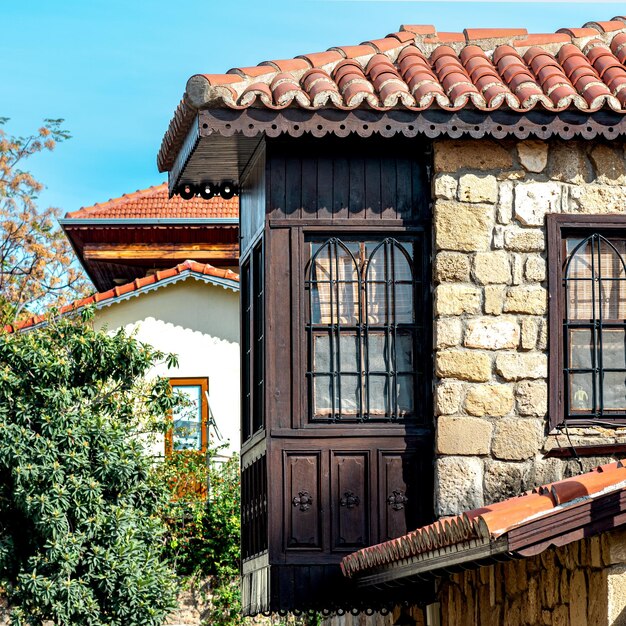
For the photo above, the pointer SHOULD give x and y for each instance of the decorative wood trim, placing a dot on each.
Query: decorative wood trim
(431, 123)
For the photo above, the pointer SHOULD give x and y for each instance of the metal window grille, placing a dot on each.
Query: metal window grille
(362, 332)
(594, 328)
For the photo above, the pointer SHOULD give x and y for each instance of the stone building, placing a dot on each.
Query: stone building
(515, 142)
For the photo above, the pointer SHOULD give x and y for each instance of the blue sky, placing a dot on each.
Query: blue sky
(116, 69)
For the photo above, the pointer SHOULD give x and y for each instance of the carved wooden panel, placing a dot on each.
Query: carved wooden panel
(399, 494)
(302, 500)
(350, 500)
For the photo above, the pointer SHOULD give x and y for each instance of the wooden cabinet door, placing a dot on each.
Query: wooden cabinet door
(349, 497)
(302, 500)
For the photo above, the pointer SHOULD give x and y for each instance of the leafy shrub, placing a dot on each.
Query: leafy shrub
(80, 529)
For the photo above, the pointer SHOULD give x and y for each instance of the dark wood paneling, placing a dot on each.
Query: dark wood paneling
(350, 500)
(252, 201)
(399, 496)
(373, 178)
(302, 500)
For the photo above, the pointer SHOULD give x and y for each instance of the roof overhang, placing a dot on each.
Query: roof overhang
(221, 141)
(147, 222)
(572, 521)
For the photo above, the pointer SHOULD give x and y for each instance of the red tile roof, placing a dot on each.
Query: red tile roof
(160, 278)
(554, 503)
(153, 203)
(418, 68)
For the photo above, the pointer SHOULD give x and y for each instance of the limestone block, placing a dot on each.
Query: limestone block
(597, 613)
(463, 365)
(608, 164)
(480, 154)
(448, 332)
(504, 208)
(544, 471)
(535, 269)
(452, 267)
(534, 200)
(517, 265)
(458, 484)
(568, 163)
(453, 299)
(532, 398)
(492, 400)
(448, 396)
(530, 332)
(616, 546)
(497, 241)
(461, 226)
(503, 480)
(492, 333)
(597, 199)
(463, 435)
(517, 439)
(578, 598)
(494, 299)
(474, 188)
(492, 267)
(531, 299)
(520, 365)
(616, 583)
(542, 339)
(533, 155)
(524, 239)
(445, 187)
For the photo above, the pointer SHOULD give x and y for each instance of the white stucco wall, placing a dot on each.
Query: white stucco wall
(200, 323)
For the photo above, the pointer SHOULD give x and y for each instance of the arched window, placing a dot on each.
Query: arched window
(361, 330)
(594, 282)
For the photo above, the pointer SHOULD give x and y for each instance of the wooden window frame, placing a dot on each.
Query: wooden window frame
(363, 418)
(559, 227)
(203, 383)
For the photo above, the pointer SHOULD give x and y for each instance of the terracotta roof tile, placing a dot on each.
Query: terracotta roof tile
(519, 84)
(153, 203)
(182, 270)
(490, 522)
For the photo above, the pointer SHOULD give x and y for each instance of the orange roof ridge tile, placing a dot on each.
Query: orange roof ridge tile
(188, 266)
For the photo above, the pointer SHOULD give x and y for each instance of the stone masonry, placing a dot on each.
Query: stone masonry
(491, 308)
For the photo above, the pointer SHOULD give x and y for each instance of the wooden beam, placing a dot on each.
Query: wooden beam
(158, 251)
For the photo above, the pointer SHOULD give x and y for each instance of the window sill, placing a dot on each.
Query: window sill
(567, 452)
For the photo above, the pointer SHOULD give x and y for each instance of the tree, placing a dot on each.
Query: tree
(81, 539)
(36, 260)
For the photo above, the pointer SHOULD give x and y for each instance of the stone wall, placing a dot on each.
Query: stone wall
(490, 308)
(583, 583)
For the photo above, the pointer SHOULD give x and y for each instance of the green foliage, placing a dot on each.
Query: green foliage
(80, 532)
(203, 527)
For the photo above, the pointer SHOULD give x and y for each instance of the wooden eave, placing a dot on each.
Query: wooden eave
(221, 141)
(114, 251)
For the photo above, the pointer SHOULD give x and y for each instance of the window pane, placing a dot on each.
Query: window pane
(404, 303)
(322, 395)
(581, 392)
(404, 353)
(377, 353)
(614, 390)
(349, 353)
(405, 394)
(321, 353)
(187, 428)
(349, 394)
(613, 349)
(378, 395)
(581, 349)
